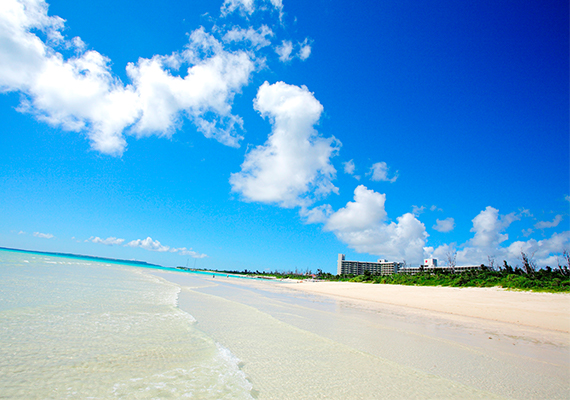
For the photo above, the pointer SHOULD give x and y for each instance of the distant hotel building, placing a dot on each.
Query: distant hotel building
(382, 267)
(430, 265)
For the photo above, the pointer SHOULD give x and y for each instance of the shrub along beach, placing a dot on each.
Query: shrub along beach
(527, 277)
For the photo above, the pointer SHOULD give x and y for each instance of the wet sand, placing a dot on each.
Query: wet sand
(358, 341)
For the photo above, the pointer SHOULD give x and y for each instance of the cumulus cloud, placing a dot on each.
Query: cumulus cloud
(318, 214)
(305, 50)
(489, 240)
(525, 212)
(417, 210)
(549, 224)
(278, 5)
(527, 232)
(349, 167)
(442, 252)
(188, 252)
(80, 93)
(155, 245)
(362, 224)
(257, 38)
(207, 89)
(43, 235)
(284, 50)
(247, 7)
(444, 225)
(379, 172)
(488, 227)
(545, 252)
(293, 167)
(148, 244)
(110, 241)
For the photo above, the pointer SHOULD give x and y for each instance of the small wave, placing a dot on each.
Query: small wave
(232, 364)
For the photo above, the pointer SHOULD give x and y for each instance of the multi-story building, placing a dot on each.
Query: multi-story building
(382, 267)
(430, 265)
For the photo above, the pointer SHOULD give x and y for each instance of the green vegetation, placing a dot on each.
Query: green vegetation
(542, 280)
(526, 277)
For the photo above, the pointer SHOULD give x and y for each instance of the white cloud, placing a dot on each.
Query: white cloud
(525, 212)
(278, 5)
(488, 226)
(362, 225)
(305, 50)
(43, 235)
(488, 241)
(527, 232)
(441, 252)
(155, 245)
(284, 51)
(418, 210)
(245, 6)
(293, 167)
(77, 44)
(379, 172)
(110, 241)
(543, 251)
(445, 225)
(549, 224)
(208, 87)
(188, 252)
(349, 167)
(21, 233)
(148, 244)
(257, 38)
(82, 94)
(318, 214)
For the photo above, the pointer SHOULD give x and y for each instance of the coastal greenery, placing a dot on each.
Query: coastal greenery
(524, 277)
(542, 280)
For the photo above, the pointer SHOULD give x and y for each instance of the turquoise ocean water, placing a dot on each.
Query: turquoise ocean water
(83, 328)
(80, 328)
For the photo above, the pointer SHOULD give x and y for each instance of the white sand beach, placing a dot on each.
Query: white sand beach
(550, 311)
(361, 341)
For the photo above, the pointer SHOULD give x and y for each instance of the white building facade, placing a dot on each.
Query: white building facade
(381, 267)
(430, 265)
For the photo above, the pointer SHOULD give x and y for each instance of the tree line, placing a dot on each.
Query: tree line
(523, 277)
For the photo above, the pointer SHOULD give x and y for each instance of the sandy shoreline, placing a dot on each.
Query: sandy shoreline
(304, 340)
(550, 311)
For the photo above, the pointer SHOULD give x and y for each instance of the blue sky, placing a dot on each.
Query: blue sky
(251, 134)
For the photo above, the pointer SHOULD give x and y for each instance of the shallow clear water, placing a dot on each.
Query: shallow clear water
(301, 346)
(79, 328)
(74, 328)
